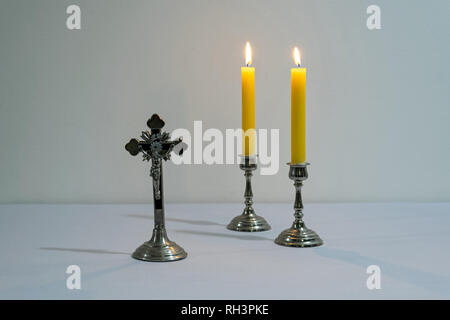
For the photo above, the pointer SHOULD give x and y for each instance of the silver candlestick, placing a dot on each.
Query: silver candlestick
(156, 147)
(298, 235)
(248, 221)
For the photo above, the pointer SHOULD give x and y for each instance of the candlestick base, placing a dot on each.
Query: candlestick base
(248, 221)
(298, 235)
(159, 249)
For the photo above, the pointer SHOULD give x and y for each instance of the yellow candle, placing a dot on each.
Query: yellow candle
(248, 104)
(298, 119)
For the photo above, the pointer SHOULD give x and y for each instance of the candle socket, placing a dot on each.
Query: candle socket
(248, 221)
(298, 235)
(157, 146)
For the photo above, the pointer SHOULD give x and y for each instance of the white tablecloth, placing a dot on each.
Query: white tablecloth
(410, 242)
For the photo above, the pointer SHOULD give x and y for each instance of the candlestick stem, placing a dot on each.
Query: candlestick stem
(298, 204)
(248, 194)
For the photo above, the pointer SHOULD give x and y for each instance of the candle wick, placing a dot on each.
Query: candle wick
(298, 65)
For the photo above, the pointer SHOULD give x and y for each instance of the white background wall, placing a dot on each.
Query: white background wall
(378, 104)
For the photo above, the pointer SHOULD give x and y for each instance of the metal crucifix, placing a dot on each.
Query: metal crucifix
(157, 146)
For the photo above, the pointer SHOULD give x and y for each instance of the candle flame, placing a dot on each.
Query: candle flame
(248, 54)
(297, 59)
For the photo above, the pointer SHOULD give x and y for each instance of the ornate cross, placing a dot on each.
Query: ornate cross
(157, 146)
